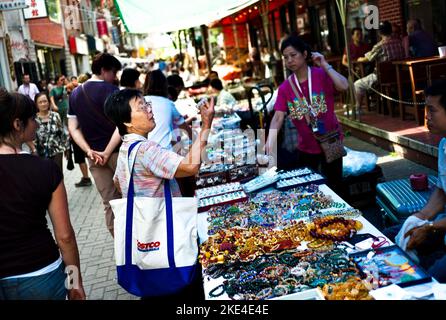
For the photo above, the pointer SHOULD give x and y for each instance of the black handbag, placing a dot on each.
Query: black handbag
(70, 163)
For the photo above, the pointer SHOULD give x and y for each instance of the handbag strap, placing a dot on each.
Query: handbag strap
(129, 214)
(169, 223)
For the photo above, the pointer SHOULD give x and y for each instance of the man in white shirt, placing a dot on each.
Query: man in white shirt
(27, 88)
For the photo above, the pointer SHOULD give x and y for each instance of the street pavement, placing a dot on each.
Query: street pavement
(96, 244)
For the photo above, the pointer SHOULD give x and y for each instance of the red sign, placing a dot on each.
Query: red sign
(102, 27)
(72, 44)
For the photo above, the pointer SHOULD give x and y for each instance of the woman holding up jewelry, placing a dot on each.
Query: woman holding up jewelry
(307, 96)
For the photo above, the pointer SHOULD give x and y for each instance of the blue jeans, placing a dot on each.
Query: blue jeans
(49, 286)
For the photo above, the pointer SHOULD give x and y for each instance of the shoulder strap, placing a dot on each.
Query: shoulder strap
(130, 201)
(293, 86)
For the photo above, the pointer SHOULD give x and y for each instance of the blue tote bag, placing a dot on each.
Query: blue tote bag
(156, 246)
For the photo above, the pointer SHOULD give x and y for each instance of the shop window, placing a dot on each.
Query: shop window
(357, 14)
(25, 67)
(53, 8)
(431, 13)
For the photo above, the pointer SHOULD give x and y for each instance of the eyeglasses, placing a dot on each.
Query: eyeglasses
(146, 106)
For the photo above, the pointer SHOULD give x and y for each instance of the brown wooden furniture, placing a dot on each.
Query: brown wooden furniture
(417, 69)
(387, 80)
(436, 72)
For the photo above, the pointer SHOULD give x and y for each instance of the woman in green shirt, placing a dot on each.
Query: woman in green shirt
(59, 98)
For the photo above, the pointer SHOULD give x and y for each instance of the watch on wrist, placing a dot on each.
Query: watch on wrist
(431, 226)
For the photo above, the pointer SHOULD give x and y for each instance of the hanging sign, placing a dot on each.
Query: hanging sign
(36, 9)
(12, 5)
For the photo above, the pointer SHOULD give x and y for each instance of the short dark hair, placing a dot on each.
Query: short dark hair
(356, 29)
(117, 108)
(129, 76)
(385, 28)
(175, 81)
(297, 43)
(172, 93)
(438, 88)
(105, 61)
(155, 84)
(73, 77)
(216, 84)
(14, 106)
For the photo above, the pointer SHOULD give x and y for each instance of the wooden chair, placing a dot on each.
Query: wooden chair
(386, 81)
(435, 72)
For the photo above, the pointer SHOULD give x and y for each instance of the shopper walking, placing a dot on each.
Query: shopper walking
(32, 264)
(93, 132)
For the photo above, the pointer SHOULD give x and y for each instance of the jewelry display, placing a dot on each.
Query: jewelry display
(275, 243)
(273, 275)
(294, 173)
(205, 204)
(217, 190)
(353, 289)
(273, 209)
(334, 228)
(266, 179)
(216, 174)
(313, 178)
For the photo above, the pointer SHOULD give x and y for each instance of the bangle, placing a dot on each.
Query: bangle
(213, 293)
(329, 68)
(431, 226)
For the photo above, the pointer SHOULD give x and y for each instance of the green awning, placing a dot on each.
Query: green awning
(146, 16)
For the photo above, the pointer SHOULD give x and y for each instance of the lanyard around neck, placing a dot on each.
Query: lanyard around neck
(310, 91)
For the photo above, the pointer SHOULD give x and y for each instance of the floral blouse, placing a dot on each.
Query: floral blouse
(51, 138)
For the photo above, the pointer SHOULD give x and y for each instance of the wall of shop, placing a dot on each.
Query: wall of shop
(45, 31)
(5, 79)
(392, 11)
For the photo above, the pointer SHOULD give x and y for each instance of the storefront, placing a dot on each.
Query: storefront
(4, 57)
(79, 49)
(50, 61)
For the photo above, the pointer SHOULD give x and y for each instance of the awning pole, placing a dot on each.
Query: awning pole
(204, 31)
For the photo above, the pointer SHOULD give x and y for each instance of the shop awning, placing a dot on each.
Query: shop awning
(171, 15)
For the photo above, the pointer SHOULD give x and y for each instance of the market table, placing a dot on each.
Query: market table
(210, 283)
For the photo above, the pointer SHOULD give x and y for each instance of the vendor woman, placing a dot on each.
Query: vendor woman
(312, 112)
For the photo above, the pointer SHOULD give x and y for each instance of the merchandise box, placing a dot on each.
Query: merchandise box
(393, 266)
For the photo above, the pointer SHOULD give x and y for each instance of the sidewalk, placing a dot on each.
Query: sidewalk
(96, 245)
(94, 241)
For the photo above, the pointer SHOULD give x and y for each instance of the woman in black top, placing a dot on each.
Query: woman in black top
(31, 263)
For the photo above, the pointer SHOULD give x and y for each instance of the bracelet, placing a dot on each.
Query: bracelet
(329, 67)
(212, 293)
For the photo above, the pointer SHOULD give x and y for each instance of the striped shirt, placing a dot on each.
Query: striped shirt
(153, 164)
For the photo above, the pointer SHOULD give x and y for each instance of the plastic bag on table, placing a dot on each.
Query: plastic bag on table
(356, 163)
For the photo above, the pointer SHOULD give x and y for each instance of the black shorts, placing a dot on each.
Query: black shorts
(79, 154)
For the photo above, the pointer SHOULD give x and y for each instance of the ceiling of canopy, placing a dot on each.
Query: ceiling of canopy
(163, 16)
